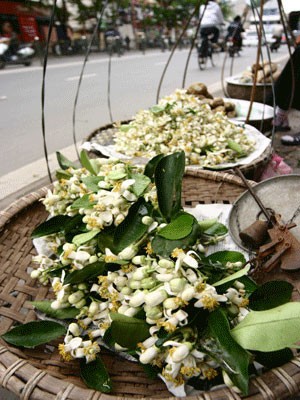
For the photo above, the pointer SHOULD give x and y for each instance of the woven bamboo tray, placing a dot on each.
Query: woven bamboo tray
(103, 136)
(40, 374)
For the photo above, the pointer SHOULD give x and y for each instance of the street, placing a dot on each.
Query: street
(133, 85)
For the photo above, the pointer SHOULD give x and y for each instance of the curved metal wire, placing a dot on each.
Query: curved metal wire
(108, 87)
(99, 19)
(43, 91)
(172, 53)
(193, 40)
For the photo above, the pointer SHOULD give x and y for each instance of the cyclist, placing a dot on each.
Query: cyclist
(212, 19)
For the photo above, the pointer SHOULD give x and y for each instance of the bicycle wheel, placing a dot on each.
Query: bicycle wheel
(202, 61)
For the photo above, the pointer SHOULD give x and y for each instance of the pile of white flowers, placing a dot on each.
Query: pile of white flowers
(180, 122)
(135, 282)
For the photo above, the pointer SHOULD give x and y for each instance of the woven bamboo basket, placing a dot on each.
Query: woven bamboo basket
(252, 171)
(40, 374)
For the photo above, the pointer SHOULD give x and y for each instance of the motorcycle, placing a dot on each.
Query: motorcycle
(23, 55)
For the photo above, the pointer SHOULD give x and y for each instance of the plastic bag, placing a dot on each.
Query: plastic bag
(275, 167)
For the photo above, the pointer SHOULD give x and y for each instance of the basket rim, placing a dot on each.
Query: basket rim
(64, 388)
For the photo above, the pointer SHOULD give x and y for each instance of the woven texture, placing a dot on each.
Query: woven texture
(253, 170)
(40, 374)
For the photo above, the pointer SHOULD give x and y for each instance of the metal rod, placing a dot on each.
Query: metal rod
(255, 197)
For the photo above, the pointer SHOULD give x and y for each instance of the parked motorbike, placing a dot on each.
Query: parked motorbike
(23, 55)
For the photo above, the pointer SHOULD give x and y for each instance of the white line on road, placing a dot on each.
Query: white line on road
(79, 63)
(76, 78)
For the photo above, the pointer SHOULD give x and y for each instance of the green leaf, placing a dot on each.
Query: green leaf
(216, 229)
(178, 228)
(168, 179)
(227, 352)
(34, 333)
(64, 162)
(225, 256)
(95, 375)
(62, 313)
(125, 128)
(234, 276)
(86, 162)
(132, 229)
(164, 247)
(270, 294)
(91, 271)
(74, 224)
(157, 109)
(141, 183)
(151, 166)
(52, 225)
(274, 359)
(235, 147)
(105, 239)
(91, 182)
(85, 237)
(62, 174)
(270, 330)
(83, 202)
(128, 331)
(117, 175)
(207, 223)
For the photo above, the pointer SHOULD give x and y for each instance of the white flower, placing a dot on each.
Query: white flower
(209, 298)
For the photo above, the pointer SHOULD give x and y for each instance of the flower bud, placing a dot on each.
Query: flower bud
(171, 303)
(82, 286)
(74, 329)
(166, 263)
(131, 311)
(75, 297)
(153, 313)
(35, 274)
(137, 299)
(164, 277)
(126, 290)
(177, 284)
(119, 219)
(201, 248)
(140, 274)
(138, 260)
(155, 298)
(128, 253)
(148, 355)
(148, 283)
(134, 285)
(147, 220)
(93, 259)
(80, 304)
(188, 293)
(93, 308)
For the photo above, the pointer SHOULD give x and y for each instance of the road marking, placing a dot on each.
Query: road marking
(76, 78)
(3, 97)
(104, 60)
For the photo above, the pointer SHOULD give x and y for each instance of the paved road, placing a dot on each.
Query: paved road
(134, 82)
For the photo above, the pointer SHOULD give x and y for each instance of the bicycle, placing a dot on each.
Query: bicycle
(205, 51)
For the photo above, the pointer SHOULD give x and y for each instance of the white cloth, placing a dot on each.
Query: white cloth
(212, 15)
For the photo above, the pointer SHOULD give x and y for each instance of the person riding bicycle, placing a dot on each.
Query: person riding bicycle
(211, 19)
(234, 32)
